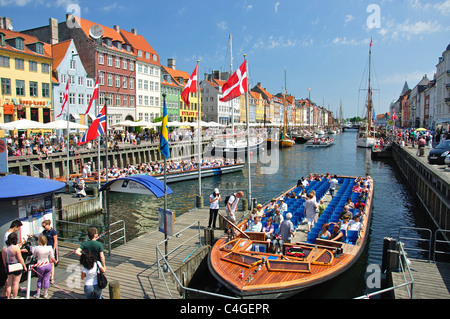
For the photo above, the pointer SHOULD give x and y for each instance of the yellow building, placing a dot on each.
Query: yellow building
(259, 106)
(26, 78)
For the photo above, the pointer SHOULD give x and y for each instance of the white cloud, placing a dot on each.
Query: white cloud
(444, 7)
(222, 25)
(441, 7)
(348, 18)
(408, 30)
(412, 78)
(345, 41)
(277, 5)
(272, 42)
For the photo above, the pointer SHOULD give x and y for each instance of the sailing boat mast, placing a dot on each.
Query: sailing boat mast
(369, 96)
(231, 72)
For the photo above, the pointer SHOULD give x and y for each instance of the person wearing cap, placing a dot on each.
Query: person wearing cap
(260, 211)
(214, 200)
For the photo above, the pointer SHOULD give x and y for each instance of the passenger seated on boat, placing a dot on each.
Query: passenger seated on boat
(268, 229)
(303, 194)
(321, 207)
(270, 210)
(336, 234)
(260, 211)
(283, 206)
(346, 212)
(360, 205)
(255, 225)
(292, 195)
(357, 188)
(344, 223)
(355, 223)
(324, 233)
(349, 203)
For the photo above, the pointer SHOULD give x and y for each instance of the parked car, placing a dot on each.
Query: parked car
(438, 154)
(447, 160)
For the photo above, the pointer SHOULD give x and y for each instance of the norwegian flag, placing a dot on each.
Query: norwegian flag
(191, 87)
(97, 128)
(66, 97)
(236, 84)
(94, 96)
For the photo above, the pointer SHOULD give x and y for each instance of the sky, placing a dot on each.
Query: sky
(321, 45)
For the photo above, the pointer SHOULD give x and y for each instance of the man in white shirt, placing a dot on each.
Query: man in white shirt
(255, 225)
(355, 223)
(333, 182)
(283, 206)
(232, 205)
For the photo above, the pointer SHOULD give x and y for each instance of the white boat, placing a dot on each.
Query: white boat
(320, 142)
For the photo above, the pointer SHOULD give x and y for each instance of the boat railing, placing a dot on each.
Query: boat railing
(164, 266)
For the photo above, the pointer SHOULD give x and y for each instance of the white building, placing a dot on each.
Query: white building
(148, 78)
(442, 105)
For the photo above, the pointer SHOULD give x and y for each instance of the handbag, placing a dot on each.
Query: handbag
(14, 267)
(102, 282)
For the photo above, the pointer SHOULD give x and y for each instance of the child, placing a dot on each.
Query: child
(321, 207)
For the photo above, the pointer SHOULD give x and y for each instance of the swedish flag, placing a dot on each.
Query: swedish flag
(164, 136)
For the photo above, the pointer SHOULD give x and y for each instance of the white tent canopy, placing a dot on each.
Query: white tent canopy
(23, 124)
(61, 125)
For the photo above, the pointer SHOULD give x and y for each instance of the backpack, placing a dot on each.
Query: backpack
(227, 199)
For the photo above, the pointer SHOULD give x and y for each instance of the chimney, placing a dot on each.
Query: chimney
(117, 28)
(134, 31)
(6, 23)
(171, 63)
(54, 35)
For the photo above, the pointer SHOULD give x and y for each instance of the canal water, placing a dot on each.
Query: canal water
(394, 205)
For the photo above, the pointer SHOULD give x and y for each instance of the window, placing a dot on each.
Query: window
(140, 100)
(20, 64)
(145, 85)
(39, 48)
(72, 98)
(124, 82)
(124, 64)
(109, 60)
(72, 64)
(117, 99)
(101, 58)
(139, 68)
(81, 99)
(61, 97)
(150, 71)
(6, 86)
(45, 90)
(117, 81)
(63, 78)
(33, 66)
(140, 84)
(20, 87)
(19, 44)
(88, 97)
(150, 86)
(71, 79)
(33, 89)
(156, 100)
(131, 66)
(110, 80)
(131, 100)
(45, 68)
(80, 80)
(152, 100)
(147, 55)
(131, 83)
(89, 83)
(4, 61)
(125, 100)
(145, 100)
(140, 53)
(101, 78)
(101, 99)
(156, 86)
(140, 116)
(117, 60)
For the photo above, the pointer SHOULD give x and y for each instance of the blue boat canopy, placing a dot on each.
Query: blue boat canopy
(19, 186)
(137, 184)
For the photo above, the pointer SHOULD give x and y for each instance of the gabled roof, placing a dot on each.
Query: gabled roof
(138, 42)
(177, 74)
(59, 51)
(28, 39)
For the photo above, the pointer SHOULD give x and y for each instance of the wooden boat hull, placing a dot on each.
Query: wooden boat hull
(256, 274)
(175, 176)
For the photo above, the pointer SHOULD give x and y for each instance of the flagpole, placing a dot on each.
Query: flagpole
(248, 141)
(199, 140)
(68, 137)
(165, 185)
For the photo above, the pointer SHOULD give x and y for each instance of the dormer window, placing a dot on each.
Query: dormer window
(147, 55)
(118, 45)
(19, 44)
(140, 53)
(39, 48)
(107, 41)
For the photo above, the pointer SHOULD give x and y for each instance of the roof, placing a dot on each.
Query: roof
(177, 74)
(19, 186)
(28, 39)
(59, 51)
(138, 42)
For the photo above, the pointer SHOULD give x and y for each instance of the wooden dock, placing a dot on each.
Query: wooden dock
(430, 281)
(134, 265)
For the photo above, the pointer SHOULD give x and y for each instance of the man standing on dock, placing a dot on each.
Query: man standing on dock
(232, 205)
(92, 245)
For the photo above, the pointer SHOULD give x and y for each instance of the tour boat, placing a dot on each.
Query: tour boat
(244, 265)
(320, 142)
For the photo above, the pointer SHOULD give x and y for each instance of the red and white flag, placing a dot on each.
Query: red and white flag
(191, 87)
(94, 96)
(66, 97)
(236, 84)
(394, 117)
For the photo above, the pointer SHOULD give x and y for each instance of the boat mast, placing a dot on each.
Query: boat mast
(369, 96)
(231, 72)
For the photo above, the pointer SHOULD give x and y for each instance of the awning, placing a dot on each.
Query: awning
(441, 121)
(19, 186)
(75, 116)
(137, 184)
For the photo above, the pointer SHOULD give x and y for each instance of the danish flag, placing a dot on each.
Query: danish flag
(97, 128)
(236, 84)
(66, 97)
(191, 87)
(394, 117)
(94, 96)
